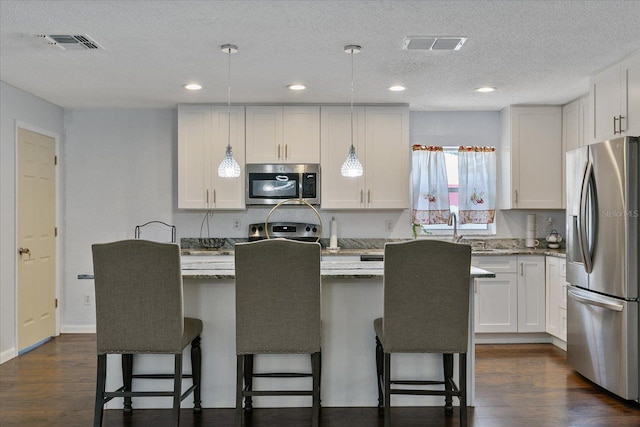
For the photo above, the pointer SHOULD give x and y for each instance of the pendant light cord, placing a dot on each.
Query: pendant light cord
(351, 99)
(229, 101)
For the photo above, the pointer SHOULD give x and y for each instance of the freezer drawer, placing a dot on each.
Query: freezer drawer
(602, 341)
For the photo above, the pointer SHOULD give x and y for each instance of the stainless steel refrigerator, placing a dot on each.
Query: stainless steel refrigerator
(603, 254)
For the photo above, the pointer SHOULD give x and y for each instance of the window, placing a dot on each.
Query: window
(451, 160)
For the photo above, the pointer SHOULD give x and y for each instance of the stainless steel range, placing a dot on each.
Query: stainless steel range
(289, 230)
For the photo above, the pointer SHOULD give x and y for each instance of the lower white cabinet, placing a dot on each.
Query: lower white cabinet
(513, 301)
(556, 304)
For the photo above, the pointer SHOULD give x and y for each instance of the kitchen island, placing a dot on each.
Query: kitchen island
(351, 300)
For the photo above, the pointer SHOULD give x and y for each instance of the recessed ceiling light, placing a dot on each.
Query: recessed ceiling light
(485, 89)
(397, 88)
(192, 86)
(297, 87)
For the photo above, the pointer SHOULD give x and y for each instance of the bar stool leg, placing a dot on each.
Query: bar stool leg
(239, 388)
(100, 385)
(196, 371)
(315, 370)
(379, 369)
(447, 361)
(127, 379)
(463, 389)
(387, 390)
(248, 381)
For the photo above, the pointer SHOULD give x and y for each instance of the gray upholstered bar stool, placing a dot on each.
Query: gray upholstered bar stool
(426, 310)
(139, 309)
(277, 312)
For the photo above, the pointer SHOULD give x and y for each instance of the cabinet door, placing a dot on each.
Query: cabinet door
(496, 303)
(536, 139)
(387, 157)
(553, 297)
(264, 134)
(227, 193)
(301, 134)
(531, 294)
(570, 136)
(586, 121)
(631, 77)
(496, 299)
(194, 156)
(606, 97)
(339, 192)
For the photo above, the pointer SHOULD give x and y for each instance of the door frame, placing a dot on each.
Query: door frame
(58, 209)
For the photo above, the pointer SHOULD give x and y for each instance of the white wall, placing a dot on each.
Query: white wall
(16, 106)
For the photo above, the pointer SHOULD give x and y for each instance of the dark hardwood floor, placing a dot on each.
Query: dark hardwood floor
(517, 385)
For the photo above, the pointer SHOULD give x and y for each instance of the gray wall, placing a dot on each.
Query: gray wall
(120, 169)
(16, 106)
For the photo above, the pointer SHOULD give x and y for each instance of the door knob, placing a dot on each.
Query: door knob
(24, 251)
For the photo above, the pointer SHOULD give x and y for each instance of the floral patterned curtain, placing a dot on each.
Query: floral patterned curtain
(429, 187)
(477, 191)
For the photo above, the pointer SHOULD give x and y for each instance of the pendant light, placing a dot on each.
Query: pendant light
(229, 168)
(352, 166)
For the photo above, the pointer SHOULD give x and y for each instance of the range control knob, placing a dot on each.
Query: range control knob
(315, 230)
(254, 229)
(308, 228)
(261, 228)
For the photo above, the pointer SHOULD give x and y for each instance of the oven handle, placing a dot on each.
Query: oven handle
(595, 302)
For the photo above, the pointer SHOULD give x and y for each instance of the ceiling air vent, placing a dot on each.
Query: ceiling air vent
(70, 41)
(433, 43)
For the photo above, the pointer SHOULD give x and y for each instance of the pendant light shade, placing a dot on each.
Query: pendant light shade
(352, 167)
(229, 168)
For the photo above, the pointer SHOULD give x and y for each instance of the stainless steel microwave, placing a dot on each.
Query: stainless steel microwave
(270, 184)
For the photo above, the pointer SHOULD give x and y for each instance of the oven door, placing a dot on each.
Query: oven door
(268, 188)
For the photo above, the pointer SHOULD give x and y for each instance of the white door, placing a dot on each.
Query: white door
(36, 306)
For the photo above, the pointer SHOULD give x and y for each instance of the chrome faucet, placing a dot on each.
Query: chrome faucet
(453, 220)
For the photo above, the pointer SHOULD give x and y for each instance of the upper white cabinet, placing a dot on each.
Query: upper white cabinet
(283, 134)
(513, 301)
(202, 139)
(381, 140)
(615, 96)
(556, 295)
(531, 161)
(575, 131)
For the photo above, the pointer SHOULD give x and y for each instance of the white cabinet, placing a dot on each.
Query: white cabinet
(381, 140)
(496, 299)
(556, 298)
(513, 301)
(202, 137)
(615, 96)
(531, 158)
(283, 134)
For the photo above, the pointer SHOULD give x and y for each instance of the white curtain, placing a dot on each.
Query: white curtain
(429, 187)
(477, 191)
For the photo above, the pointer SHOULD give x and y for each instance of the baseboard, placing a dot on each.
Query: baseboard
(7, 355)
(559, 343)
(513, 338)
(78, 329)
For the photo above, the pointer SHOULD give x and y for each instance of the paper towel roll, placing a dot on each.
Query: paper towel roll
(333, 240)
(531, 222)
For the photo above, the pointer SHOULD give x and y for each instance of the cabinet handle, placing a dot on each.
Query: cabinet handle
(361, 196)
(278, 151)
(620, 124)
(207, 197)
(214, 196)
(615, 119)
(516, 196)
(286, 151)
(522, 268)
(369, 196)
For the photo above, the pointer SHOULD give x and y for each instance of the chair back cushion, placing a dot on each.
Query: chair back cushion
(426, 296)
(277, 297)
(139, 305)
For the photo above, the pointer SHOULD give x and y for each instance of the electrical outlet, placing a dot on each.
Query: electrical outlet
(87, 299)
(236, 224)
(388, 225)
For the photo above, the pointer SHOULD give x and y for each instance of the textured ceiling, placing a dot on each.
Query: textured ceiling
(534, 52)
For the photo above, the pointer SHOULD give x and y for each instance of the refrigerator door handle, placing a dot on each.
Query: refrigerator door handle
(582, 219)
(595, 302)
